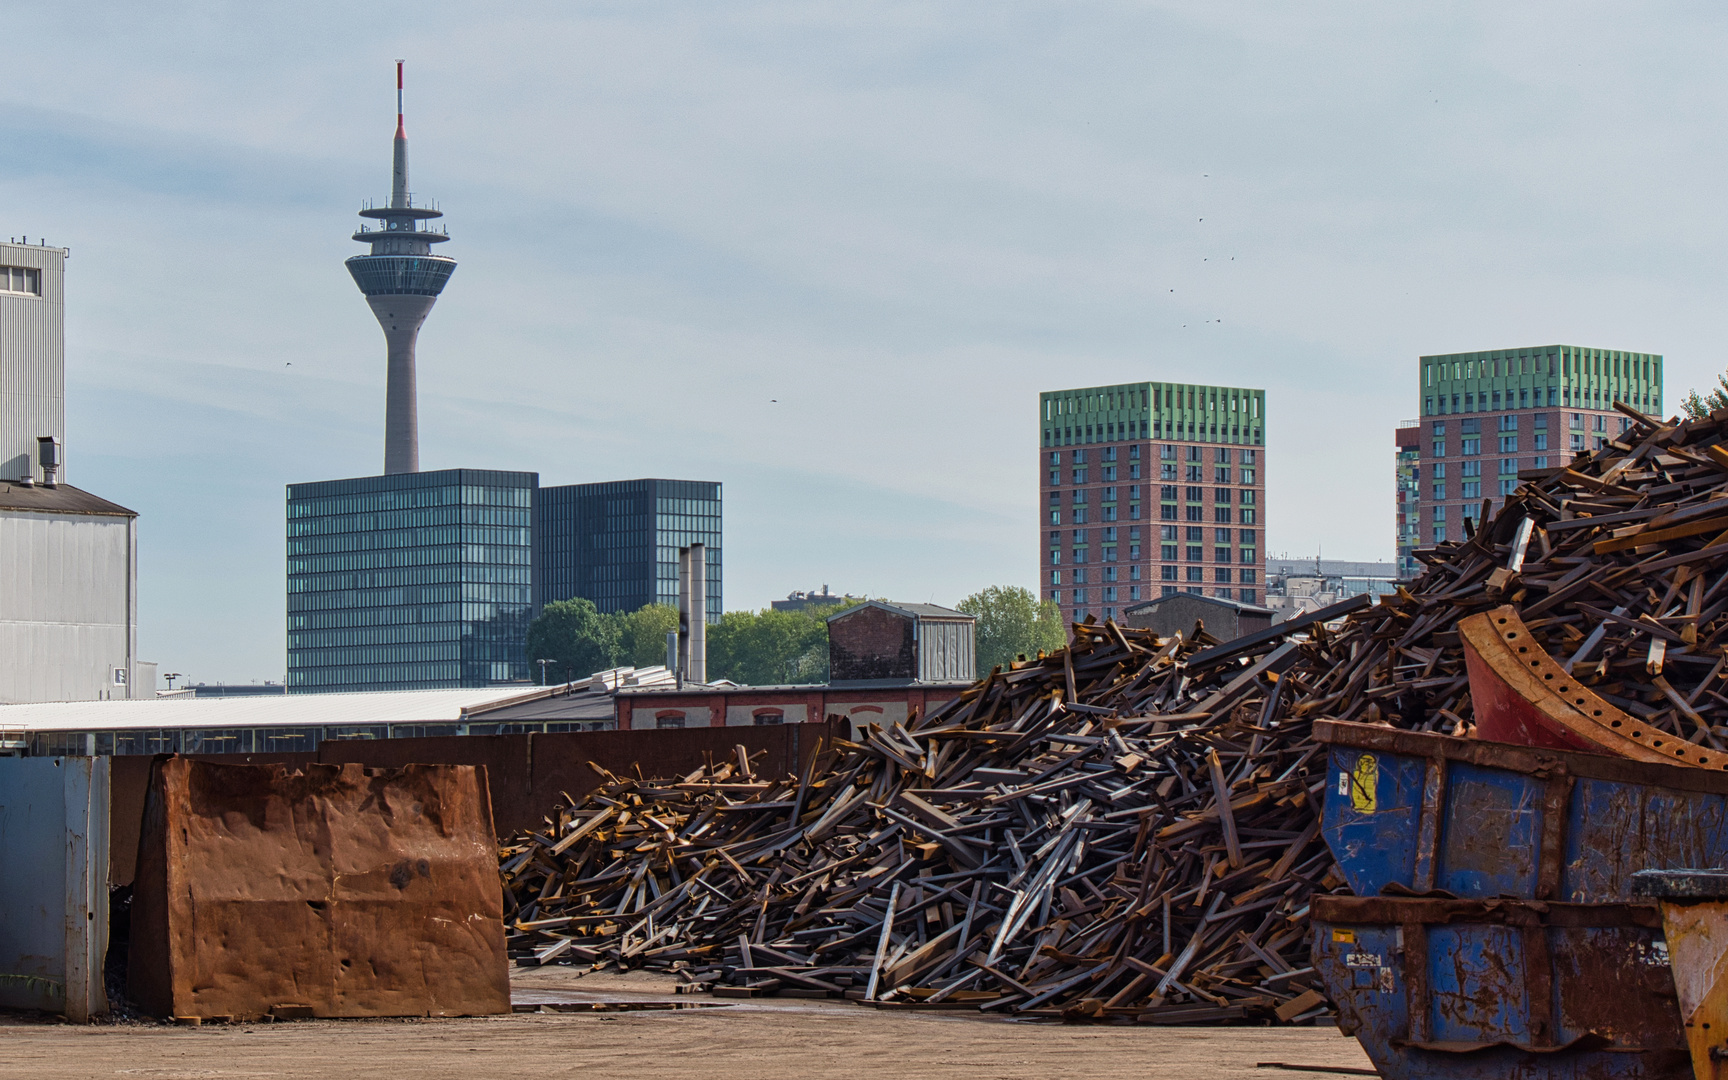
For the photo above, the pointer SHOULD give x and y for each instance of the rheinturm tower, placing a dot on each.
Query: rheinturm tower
(401, 279)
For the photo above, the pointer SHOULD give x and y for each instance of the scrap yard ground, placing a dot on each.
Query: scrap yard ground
(768, 1039)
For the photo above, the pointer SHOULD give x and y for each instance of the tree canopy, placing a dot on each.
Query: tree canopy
(642, 634)
(759, 648)
(576, 637)
(765, 647)
(1012, 622)
(1698, 407)
(750, 647)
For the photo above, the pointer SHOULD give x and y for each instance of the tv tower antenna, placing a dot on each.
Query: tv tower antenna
(401, 279)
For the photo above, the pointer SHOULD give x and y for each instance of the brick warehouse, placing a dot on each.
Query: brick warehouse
(1486, 416)
(1150, 489)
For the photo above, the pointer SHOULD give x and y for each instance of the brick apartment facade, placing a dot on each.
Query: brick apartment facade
(1150, 489)
(1486, 416)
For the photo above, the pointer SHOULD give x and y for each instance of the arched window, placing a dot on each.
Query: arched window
(669, 718)
(768, 717)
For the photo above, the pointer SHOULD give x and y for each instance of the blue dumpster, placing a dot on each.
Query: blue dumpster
(1489, 989)
(1414, 813)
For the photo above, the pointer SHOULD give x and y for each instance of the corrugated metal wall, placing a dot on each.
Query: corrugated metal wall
(54, 815)
(66, 606)
(32, 360)
(946, 650)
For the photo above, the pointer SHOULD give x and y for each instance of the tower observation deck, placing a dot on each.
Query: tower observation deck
(401, 279)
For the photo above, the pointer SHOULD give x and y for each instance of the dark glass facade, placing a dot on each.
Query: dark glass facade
(410, 581)
(617, 543)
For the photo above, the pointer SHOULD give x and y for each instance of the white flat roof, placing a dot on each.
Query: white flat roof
(287, 710)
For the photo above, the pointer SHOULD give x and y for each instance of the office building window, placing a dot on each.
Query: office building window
(1221, 573)
(1196, 573)
(20, 280)
(1167, 573)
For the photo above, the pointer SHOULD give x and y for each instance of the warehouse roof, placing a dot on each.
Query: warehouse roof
(921, 611)
(59, 499)
(288, 710)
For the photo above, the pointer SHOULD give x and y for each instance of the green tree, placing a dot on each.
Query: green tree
(768, 647)
(576, 638)
(1012, 622)
(1699, 407)
(642, 634)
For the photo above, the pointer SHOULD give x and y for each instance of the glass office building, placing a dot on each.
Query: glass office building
(410, 581)
(617, 543)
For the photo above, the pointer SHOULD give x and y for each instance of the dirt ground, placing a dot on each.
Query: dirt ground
(772, 1039)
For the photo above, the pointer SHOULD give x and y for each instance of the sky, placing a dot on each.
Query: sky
(829, 254)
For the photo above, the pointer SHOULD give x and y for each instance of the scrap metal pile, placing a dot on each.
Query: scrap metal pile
(1614, 562)
(1127, 829)
(1114, 831)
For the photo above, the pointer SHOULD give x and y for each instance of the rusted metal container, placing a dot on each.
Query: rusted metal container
(1695, 924)
(1417, 813)
(1490, 989)
(330, 891)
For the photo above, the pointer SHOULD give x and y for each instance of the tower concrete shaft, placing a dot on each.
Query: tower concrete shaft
(401, 279)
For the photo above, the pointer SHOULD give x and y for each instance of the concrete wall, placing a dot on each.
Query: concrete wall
(54, 821)
(68, 606)
(32, 361)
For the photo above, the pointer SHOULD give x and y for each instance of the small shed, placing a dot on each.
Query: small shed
(1223, 619)
(901, 642)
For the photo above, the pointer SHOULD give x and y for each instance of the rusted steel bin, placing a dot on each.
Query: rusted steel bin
(333, 891)
(1490, 989)
(1695, 923)
(1413, 812)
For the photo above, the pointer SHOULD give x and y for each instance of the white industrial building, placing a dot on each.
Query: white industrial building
(68, 559)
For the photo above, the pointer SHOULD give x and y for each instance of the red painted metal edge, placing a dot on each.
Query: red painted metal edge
(1521, 695)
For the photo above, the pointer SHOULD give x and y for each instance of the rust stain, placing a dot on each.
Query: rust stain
(337, 889)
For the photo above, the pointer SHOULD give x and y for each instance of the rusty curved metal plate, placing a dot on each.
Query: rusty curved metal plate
(331, 891)
(1520, 694)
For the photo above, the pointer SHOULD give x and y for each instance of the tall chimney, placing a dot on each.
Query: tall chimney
(693, 613)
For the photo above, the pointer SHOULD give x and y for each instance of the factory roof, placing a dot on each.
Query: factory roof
(59, 499)
(288, 710)
(921, 611)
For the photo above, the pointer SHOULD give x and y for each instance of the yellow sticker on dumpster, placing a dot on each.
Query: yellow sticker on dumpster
(1344, 936)
(1364, 782)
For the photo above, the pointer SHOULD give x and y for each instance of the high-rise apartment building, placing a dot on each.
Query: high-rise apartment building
(1407, 477)
(410, 581)
(1488, 415)
(1149, 489)
(617, 543)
